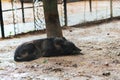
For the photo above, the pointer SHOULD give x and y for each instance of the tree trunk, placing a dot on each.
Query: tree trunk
(52, 18)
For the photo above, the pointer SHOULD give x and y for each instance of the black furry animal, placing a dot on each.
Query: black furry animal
(47, 47)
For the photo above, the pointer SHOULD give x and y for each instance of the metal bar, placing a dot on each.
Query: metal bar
(22, 6)
(65, 11)
(90, 3)
(34, 15)
(111, 8)
(1, 21)
(13, 18)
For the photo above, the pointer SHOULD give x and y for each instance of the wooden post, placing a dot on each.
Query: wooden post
(1, 21)
(65, 11)
(111, 9)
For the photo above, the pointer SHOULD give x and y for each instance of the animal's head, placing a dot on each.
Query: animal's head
(66, 46)
(71, 48)
(25, 52)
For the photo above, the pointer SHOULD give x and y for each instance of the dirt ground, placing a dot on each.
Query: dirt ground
(100, 45)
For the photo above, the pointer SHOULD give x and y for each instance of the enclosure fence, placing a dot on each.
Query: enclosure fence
(18, 17)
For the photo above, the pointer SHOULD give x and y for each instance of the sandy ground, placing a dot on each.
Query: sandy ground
(100, 45)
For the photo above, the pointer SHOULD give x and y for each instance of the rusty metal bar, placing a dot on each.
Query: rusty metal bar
(1, 21)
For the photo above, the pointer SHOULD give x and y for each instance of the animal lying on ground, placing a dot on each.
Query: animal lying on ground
(47, 47)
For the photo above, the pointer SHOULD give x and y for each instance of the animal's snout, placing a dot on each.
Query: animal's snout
(20, 57)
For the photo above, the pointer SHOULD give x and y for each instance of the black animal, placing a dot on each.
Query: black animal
(47, 47)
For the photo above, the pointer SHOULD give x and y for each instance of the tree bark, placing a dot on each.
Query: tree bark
(52, 18)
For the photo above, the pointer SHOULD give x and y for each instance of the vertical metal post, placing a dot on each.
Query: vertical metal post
(1, 21)
(111, 9)
(90, 3)
(14, 22)
(22, 6)
(34, 14)
(65, 11)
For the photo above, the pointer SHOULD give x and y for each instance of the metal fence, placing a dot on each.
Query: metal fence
(19, 17)
(92, 11)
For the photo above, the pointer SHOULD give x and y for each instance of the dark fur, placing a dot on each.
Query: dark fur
(47, 47)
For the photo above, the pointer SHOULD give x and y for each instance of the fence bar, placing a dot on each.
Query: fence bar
(17, 9)
(90, 3)
(22, 6)
(111, 8)
(13, 16)
(65, 11)
(1, 21)
(34, 14)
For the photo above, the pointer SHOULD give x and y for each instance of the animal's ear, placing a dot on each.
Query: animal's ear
(64, 38)
(32, 46)
(59, 40)
(29, 43)
(35, 49)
